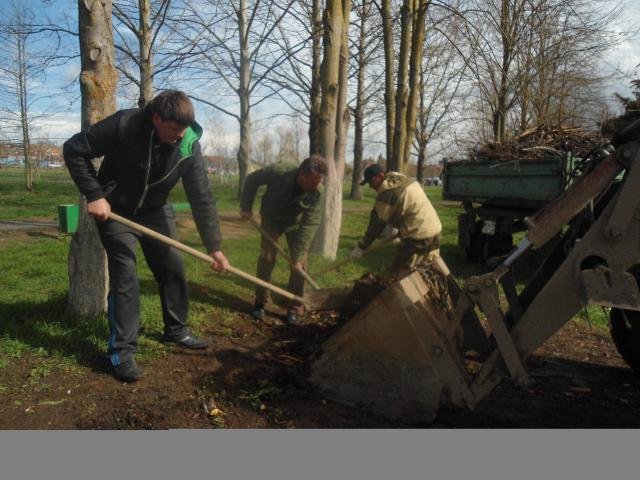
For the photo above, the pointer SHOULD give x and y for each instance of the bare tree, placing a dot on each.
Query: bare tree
(265, 149)
(23, 63)
(531, 57)
(233, 41)
(441, 77)
(144, 19)
(333, 121)
(98, 84)
(363, 13)
(389, 95)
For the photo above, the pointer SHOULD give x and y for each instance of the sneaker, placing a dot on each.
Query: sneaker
(127, 371)
(258, 313)
(292, 319)
(189, 341)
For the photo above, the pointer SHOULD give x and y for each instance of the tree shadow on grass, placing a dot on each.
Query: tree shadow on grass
(47, 326)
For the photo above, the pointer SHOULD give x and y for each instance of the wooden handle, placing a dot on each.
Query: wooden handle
(201, 255)
(273, 242)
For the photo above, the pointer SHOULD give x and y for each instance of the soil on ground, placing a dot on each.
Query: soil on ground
(254, 375)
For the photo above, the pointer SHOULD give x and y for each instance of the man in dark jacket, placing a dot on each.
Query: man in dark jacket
(146, 151)
(292, 204)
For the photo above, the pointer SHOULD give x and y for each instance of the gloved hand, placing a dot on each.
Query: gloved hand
(356, 253)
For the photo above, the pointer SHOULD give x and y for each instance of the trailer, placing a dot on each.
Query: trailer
(497, 196)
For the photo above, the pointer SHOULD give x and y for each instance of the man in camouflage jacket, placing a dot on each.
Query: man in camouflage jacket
(402, 204)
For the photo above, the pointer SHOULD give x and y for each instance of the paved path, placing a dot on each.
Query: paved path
(26, 224)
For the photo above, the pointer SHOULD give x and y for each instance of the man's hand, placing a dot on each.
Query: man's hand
(246, 215)
(298, 266)
(99, 209)
(220, 262)
(356, 253)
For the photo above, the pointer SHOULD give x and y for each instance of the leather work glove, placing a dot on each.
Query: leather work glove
(356, 253)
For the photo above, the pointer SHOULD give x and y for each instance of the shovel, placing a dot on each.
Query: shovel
(335, 298)
(372, 248)
(277, 246)
(203, 256)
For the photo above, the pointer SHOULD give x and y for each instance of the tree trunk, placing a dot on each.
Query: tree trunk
(421, 135)
(24, 114)
(389, 89)
(326, 241)
(244, 150)
(98, 81)
(316, 95)
(417, 47)
(358, 116)
(146, 53)
(21, 77)
(402, 90)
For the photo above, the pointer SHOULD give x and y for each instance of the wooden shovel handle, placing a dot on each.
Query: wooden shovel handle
(339, 263)
(201, 255)
(273, 242)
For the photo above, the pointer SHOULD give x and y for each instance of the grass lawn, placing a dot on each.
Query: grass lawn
(34, 279)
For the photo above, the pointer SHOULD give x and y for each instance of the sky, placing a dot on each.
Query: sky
(62, 117)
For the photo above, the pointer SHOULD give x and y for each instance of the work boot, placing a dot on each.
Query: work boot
(292, 319)
(127, 371)
(258, 312)
(188, 341)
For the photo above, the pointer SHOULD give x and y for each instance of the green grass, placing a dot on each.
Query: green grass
(34, 280)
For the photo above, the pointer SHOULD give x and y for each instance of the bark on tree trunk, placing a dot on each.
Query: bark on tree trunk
(24, 113)
(389, 89)
(417, 47)
(333, 105)
(358, 116)
(316, 96)
(402, 90)
(146, 54)
(244, 150)
(98, 81)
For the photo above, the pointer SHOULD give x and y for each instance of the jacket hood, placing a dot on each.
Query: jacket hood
(191, 135)
(393, 180)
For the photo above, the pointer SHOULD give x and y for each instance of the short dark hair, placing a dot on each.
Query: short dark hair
(174, 106)
(315, 164)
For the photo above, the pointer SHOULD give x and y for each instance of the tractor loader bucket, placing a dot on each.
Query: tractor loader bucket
(398, 357)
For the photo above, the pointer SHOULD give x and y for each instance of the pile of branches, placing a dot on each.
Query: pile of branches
(539, 143)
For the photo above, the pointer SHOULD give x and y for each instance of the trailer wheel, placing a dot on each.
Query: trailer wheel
(478, 249)
(501, 244)
(625, 330)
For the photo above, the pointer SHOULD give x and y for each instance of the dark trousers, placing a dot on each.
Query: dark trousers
(267, 261)
(412, 252)
(166, 264)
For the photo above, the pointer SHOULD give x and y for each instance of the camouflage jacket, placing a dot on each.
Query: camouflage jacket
(402, 203)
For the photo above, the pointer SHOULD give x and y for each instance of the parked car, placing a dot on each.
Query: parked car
(432, 181)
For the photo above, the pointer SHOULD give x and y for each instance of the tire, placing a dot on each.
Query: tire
(478, 249)
(625, 331)
(500, 244)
